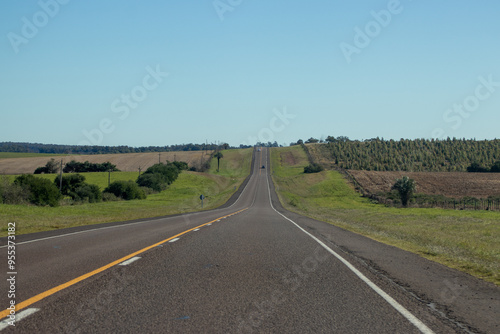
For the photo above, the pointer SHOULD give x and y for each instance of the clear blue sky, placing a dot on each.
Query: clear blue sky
(362, 69)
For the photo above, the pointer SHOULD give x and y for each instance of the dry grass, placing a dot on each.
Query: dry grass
(127, 162)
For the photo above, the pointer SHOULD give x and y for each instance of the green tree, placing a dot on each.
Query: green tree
(51, 167)
(127, 190)
(496, 167)
(219, 156)
(42, 191)
(69, 183)
(90, 192)
(312, 140)
(405, 187)
(313, 168)
(152, 181)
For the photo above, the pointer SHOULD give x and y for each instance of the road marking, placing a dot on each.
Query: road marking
(129, 261)
(94, 229)
(174, 240)
(45, 294)
(19, 316)
(196, 230)
(398, 307)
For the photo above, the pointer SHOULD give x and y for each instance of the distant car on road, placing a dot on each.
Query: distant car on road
(263, 166)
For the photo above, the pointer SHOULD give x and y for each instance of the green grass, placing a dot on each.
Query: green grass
(181, 197)
(99, 178)
(465, 240)
(7, 155)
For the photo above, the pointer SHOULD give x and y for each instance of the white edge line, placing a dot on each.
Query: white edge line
(19, 316)
(123, 225)
(129, 261)
(400, 308)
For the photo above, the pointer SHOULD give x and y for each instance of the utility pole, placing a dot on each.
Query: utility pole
(109, 177)
(159, 157)
(139, 171)
(60, 176)
(175, 157)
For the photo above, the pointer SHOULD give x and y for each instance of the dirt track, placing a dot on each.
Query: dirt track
(129, 162)
(456, 185)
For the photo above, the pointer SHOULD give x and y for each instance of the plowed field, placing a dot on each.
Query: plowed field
(456, 185)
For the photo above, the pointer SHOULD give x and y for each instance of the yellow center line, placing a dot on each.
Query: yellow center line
(63, 286)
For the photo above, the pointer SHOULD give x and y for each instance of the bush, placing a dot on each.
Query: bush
(169, 172)
(313, 168)
(159, 176)
(477, 168)
(495, 168)
(181, 165)
(11, 193)
(109, 197)
(127, 190)
(51, 167)
(152, 181)
(70, 183)
(84, 167)
(42, 191)
(90, 192)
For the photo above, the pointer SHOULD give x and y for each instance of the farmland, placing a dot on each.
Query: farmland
(180, 197)
(449, 184)
(127, 162)
(429, 182)
(465, 240)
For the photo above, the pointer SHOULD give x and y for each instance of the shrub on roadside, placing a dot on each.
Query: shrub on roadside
(127, 190)
(109, 197)
(70, 183)
(152, 181)
(181, 165)
(42, 191)
(168, 172)
(11, 193)
(88, 192)
(313, 168)
(159, 176)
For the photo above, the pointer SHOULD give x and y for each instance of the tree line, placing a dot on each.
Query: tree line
(75, 149)
(52, 167)
(452, 155)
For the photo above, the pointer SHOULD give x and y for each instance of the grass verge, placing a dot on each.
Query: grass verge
(181, 197)
(465, 240)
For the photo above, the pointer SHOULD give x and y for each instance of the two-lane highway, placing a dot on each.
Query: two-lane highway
(242, 269)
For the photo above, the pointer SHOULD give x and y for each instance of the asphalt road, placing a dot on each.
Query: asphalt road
(249, 267)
